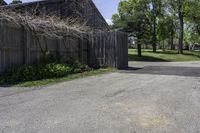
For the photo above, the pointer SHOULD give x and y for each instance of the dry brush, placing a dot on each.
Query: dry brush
(45, 25)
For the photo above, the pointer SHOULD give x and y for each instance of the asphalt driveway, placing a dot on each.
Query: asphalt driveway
(146, 98)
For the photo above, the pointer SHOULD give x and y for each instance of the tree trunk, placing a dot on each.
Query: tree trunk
(181, 30)
(154, 39)
(139, 49)
(163, 43)
(198, 29)
(172, 42)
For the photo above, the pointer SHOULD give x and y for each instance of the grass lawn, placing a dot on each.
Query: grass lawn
(67, 78)
(163, 56)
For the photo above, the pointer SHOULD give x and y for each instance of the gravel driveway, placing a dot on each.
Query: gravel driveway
(147, 98)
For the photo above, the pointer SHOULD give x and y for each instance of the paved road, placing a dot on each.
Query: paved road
(147, 100)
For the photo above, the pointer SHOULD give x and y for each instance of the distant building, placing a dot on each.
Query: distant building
(83, 9)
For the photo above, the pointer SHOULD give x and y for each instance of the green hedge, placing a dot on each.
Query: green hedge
(41, 71)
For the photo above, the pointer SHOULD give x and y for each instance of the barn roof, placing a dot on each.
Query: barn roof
(2, 2)
(95, 18)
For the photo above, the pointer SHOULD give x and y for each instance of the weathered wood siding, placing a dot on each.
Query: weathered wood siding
(11, 46)
(122, 49)
(94, 17)
(109, 49)
(18, 46)
(103, 48)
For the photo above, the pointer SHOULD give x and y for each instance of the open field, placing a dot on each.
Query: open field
(163, 56)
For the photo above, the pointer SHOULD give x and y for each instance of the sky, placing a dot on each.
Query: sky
(106, 7)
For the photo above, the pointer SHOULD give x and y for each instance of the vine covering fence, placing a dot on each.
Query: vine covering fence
(101, 48)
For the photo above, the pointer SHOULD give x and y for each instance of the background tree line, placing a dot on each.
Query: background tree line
(158, 21)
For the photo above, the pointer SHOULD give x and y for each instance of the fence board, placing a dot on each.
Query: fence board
(109, 49)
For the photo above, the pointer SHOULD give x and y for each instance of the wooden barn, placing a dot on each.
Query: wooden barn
(98, 47)
(84, 9)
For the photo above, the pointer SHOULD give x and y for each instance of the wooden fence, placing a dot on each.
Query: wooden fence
(109, 49)
(18, 46)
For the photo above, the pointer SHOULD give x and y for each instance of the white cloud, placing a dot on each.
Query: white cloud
(109, 21)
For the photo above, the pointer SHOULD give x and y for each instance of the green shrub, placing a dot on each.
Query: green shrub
(41, 71)
(79, 68)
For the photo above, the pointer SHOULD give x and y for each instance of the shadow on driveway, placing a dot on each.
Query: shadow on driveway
(165, 70)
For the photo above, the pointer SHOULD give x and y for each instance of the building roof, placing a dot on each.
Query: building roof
(61, 8)
(2, 2)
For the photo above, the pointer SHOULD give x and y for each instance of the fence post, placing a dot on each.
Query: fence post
(116, 48)
(1, 50)
(121, 43)
(91, 49)
(88, 49)
(59, 51)
(80, 47)
(27, 42)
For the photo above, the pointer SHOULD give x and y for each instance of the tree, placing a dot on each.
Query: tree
(134, 18)
(150, 21)
(193, 16)
(16, 2)
(179, 7)
(192, 19)
(167, 29)
(155, 11)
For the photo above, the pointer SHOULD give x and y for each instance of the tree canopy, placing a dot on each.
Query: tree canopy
(154, 21)
(16, 2)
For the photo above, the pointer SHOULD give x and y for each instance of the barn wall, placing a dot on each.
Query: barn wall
(94, 17)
